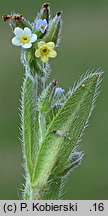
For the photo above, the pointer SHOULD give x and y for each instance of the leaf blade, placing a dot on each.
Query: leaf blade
(29, 124)
(63, 134)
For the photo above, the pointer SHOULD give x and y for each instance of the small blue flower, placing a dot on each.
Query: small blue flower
(41, 25)
(59, 90)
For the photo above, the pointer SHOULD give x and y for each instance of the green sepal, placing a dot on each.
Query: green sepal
(44, 12)
(34, 63)
(54, 29)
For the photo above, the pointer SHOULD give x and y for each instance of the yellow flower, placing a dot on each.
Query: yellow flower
(45, 51)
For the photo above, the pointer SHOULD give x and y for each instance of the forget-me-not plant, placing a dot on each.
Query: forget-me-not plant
(52, 120)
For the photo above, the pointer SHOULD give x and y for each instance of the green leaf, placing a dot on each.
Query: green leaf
(62, 137)
(29, 117)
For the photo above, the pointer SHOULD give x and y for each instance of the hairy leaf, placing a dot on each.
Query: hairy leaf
(62, 136)
(29, 123)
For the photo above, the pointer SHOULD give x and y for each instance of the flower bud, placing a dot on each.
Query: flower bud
(54, 30)
(46, 98)
(16, 20)
(44, 12)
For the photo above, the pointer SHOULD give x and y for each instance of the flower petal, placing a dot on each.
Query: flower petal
(52, 54)
(50, 45)
(44, 58)
(37, 53)
(42, 30)
(16, 41)
(27, 31)
(41, 43)
(38, 23)
(33, 38)
(26, 45)
(45, 23)
(18, 31)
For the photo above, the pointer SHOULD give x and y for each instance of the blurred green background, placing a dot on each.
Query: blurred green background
(84, 46)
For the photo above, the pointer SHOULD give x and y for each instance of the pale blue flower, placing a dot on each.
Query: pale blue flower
(41, 25)
(59, 90)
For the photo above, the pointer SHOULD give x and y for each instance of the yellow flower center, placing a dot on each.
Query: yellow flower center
(44, 50)
(24, 39)
(42, 27)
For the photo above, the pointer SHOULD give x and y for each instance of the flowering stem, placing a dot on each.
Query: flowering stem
(52, 121)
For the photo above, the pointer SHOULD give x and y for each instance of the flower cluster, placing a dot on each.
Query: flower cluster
(25, 38)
